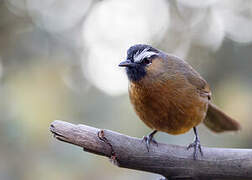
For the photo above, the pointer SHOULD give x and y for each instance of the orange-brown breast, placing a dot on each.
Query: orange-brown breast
(168, 103)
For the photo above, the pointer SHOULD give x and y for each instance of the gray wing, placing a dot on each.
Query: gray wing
(191, 75)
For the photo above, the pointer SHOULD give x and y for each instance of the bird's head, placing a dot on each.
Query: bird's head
(141, 61)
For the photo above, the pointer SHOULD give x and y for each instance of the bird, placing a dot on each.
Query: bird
(170, 96)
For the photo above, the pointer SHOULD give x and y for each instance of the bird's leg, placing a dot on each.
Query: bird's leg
(196, 145)
(150, 138)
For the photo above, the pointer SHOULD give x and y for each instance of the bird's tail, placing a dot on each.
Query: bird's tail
(218, 121)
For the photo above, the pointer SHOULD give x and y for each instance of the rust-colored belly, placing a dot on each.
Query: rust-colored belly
(166, 108)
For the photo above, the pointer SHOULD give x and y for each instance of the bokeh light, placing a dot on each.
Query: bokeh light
(57, 16)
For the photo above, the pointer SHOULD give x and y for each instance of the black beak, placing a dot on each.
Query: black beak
(126, 63)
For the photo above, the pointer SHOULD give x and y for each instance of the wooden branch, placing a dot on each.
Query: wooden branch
(171, 161)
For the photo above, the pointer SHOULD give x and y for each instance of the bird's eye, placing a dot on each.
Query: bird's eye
(146, 61)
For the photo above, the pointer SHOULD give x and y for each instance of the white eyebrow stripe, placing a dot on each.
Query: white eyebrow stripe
(138, 57)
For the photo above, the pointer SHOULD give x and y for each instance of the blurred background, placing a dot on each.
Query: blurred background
(59, 60)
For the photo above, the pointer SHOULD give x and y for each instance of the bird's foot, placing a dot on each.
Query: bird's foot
(197, 148)
(149, 139)
(163, 178)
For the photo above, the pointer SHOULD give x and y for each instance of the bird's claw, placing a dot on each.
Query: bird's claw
(149, 139)
(197, 148)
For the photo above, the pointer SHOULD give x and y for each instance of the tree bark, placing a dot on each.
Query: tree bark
(171, 161)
